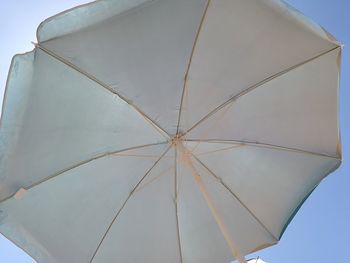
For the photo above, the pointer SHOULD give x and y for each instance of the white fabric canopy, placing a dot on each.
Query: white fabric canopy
(166, 131)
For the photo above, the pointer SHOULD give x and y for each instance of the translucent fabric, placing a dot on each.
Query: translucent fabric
(166, 131)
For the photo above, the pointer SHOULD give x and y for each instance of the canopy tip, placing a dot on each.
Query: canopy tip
(20, 194)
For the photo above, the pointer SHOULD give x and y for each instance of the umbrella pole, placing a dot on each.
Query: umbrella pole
(186, 157)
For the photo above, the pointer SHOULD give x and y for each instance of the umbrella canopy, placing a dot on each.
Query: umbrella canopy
(166, 131)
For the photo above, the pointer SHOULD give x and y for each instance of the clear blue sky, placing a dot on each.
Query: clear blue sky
(320, 232)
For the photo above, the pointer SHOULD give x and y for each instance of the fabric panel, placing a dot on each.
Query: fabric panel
(145, 230)
(62, 118)
(298, 109)
(143, 54)
(271, 182)
(241, 43)
(63, 219)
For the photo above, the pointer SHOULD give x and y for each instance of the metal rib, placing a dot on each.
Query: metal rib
(253, 87)
(264, 145)
(218, 150)
(189, 64)
(126, 200)
(107, 87)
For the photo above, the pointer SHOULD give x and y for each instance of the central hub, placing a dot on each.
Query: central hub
(176, 140)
